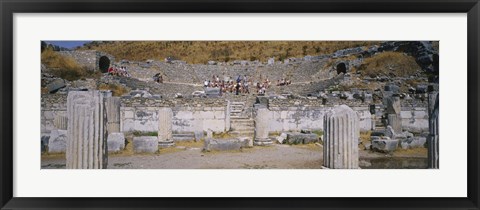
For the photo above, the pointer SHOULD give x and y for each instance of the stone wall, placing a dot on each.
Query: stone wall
(191, 114)
(414, 115)
(188, 114)
(297, 114)
(52, 105)
(295, 119)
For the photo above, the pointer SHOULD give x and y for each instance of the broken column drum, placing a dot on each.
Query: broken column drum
(261, 127)
(165, 137)
(341, 133)
(433, 137)
(112, 105)
(86, 136)
(393, 108)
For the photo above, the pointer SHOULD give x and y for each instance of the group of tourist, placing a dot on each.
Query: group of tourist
(241, 85)
(263, 86)
(283, 82)
(122, 71)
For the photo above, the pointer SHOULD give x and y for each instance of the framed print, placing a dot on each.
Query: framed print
(239, 105)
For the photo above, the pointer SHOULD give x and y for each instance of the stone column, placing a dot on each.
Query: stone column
(165, 137)
(374, 116)
(374, 122)
(261, 127)
(86, 136)
(340, 133)
(393, 108)
(395, 122)
(112, 105)
(227, 117)
(432, 141)
(198, 126)
(60, 122)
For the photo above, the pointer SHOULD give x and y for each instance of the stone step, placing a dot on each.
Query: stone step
(234, 117)
(242, 124)
(183, 136)
(237, 103)
(242, 128)
(241, 119)
(242, 133)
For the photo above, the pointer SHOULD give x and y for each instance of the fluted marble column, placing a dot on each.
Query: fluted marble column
(433, 137)
(60, 122)
(86, 136)
(261, 127)
(165, 137)
(341, 133)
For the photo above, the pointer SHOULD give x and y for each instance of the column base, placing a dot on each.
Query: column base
(324, 167)
(262, 142)
(165, 144)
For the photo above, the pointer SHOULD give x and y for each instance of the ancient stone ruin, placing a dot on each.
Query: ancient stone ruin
(261, 127)
(91, 59)
(150, 117)
(165, 116)
(433, 148)
(60, 122)
(112, 105)
(393, 112)
(341, 133)
(86, 142)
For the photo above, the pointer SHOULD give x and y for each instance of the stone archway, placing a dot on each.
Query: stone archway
(341, 68)
(104, 64)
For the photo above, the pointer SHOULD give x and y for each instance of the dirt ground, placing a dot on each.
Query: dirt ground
(270, 157)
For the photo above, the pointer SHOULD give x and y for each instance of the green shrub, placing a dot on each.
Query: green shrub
(142, 133)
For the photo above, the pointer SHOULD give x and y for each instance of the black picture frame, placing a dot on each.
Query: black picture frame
(9, 7)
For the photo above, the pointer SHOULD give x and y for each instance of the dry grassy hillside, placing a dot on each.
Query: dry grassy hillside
(62, 66)
(393, 64)
(203, 51)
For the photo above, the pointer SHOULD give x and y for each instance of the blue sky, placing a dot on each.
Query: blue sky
(68, 44)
